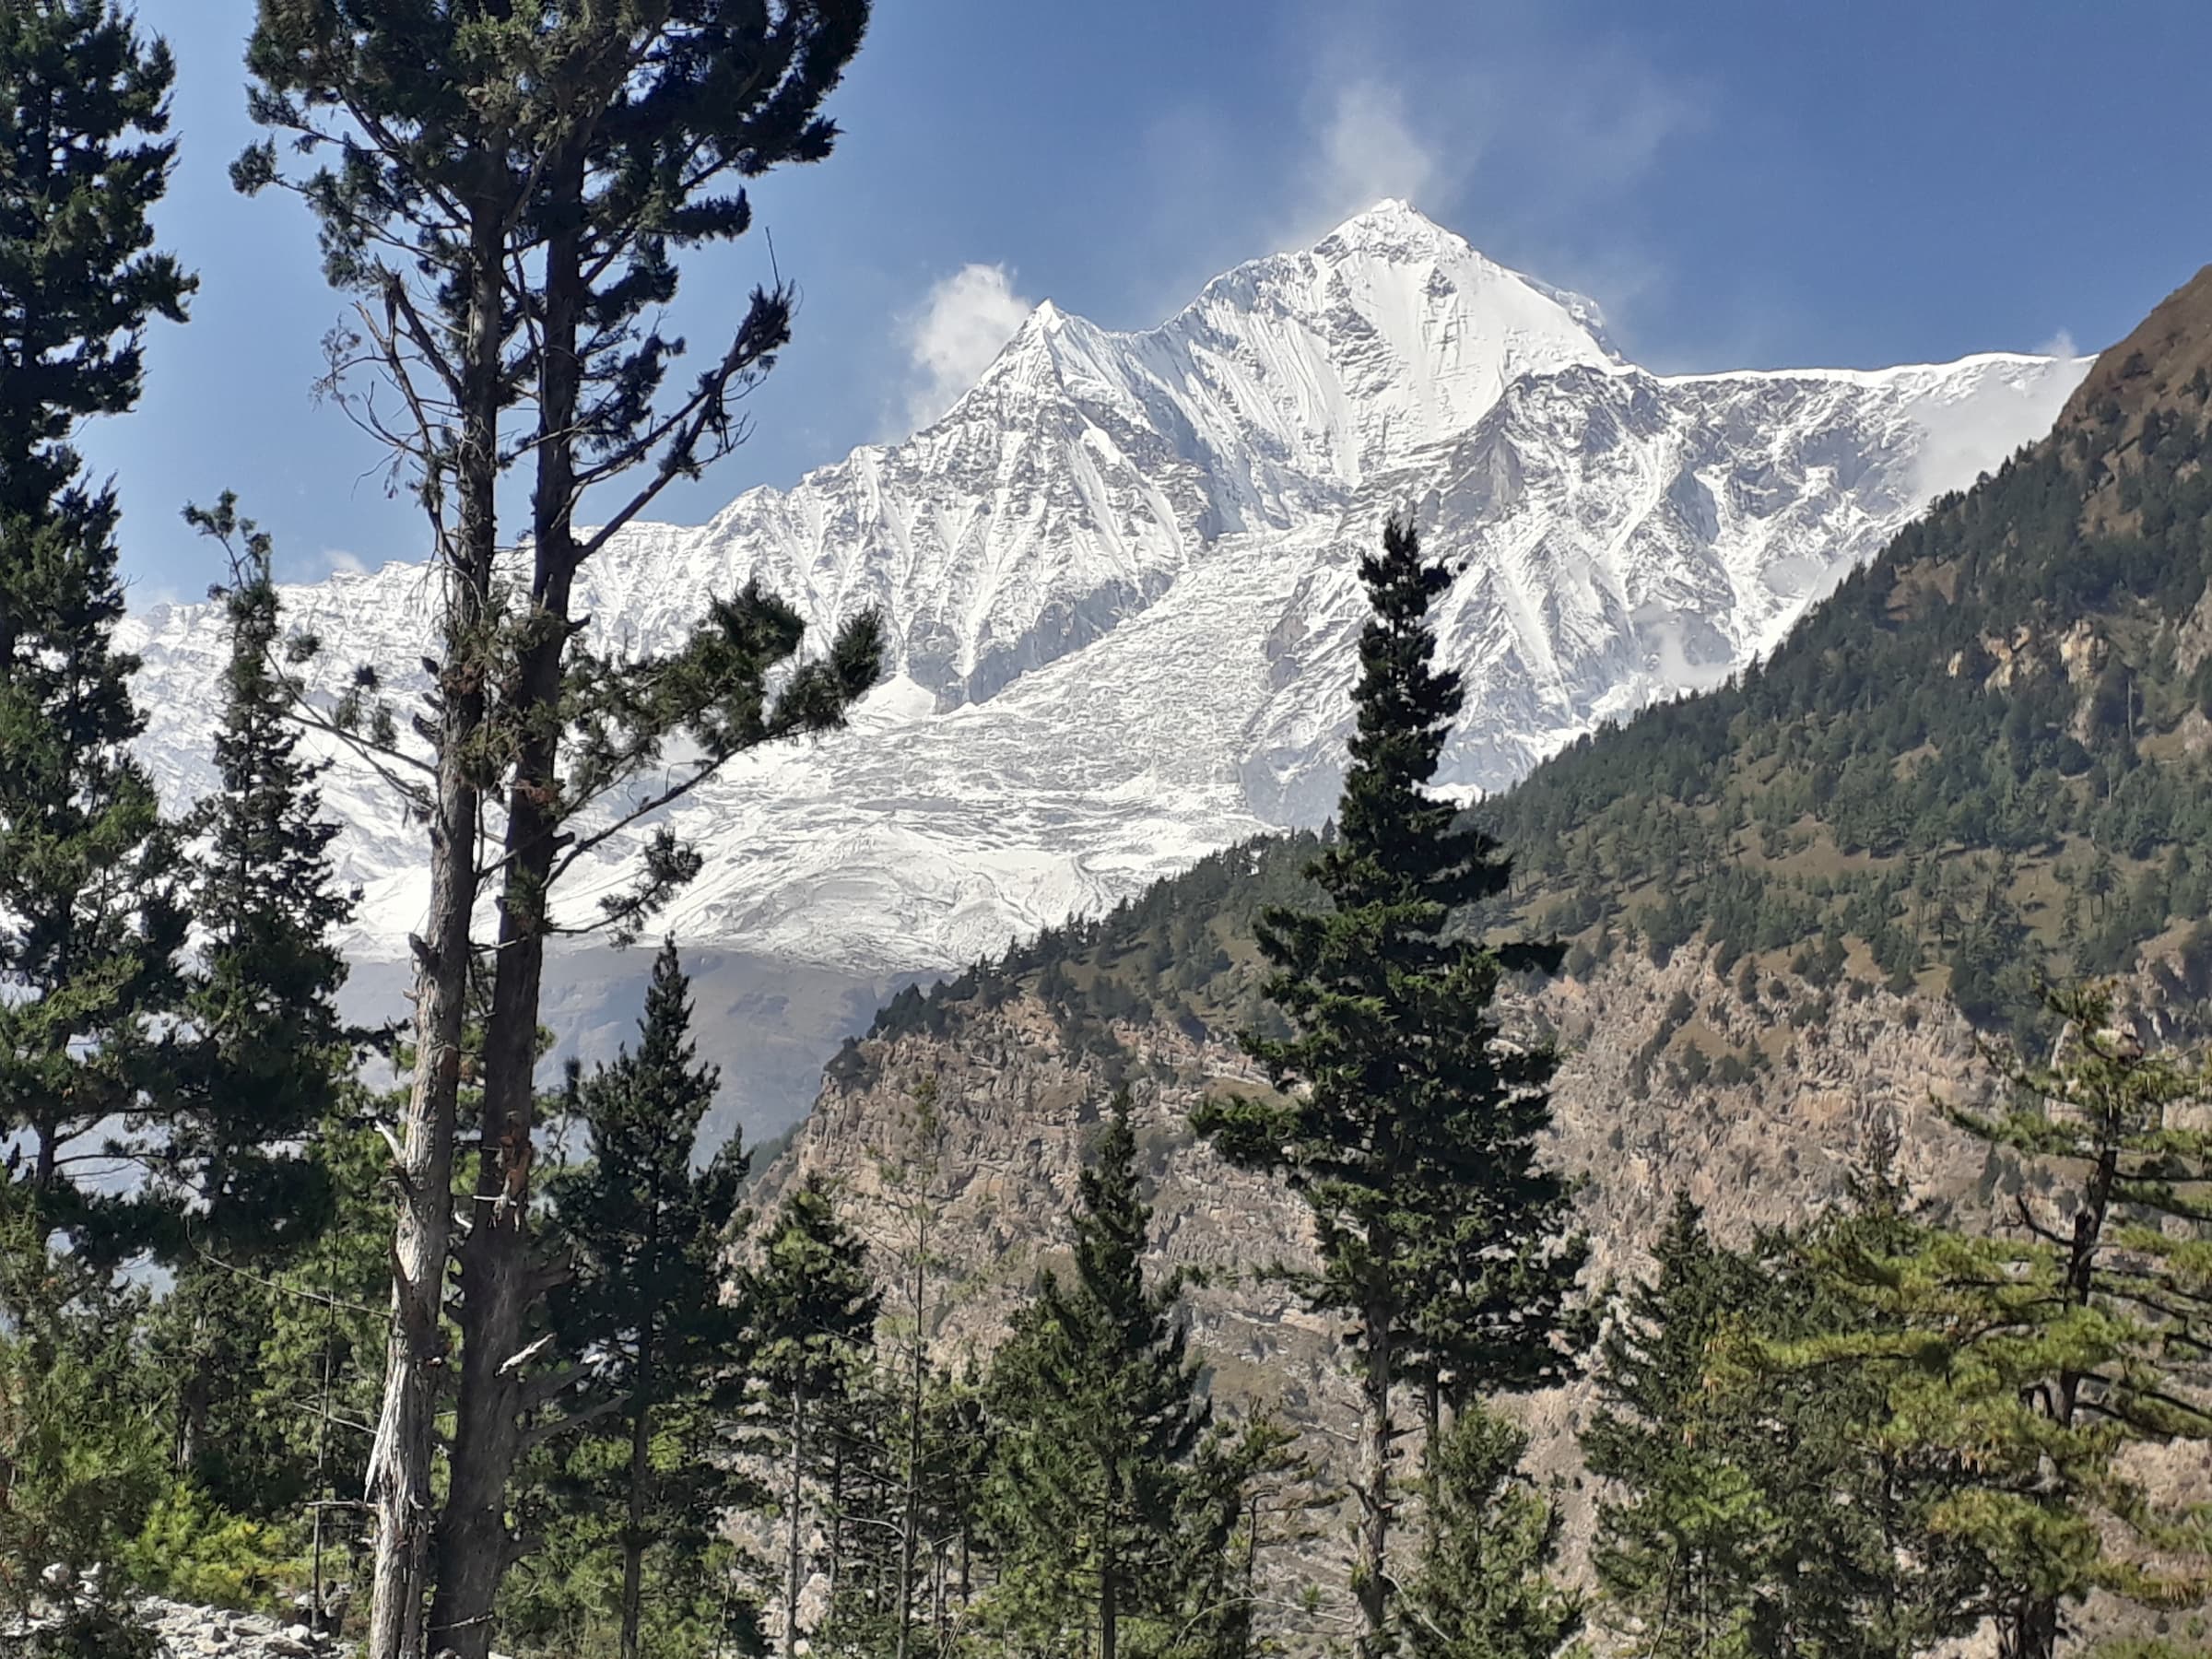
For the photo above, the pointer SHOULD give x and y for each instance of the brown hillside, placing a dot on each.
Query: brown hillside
(2163, 368)
(2154, 365)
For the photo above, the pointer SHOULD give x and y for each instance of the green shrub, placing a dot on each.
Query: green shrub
(194, 1551)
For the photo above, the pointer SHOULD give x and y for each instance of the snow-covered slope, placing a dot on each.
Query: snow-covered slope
(1119, 577)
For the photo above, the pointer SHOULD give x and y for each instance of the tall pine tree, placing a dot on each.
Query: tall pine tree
(262, 1063)
(91, 920)
(509, 189)
(1102, 1418)
(1683, 1527)
(265, 1057)
(1761, 1493)
(645, 1310)
(1862, 1563)
(1406, 1122)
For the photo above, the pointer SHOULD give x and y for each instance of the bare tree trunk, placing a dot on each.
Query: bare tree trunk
(910, 1524)
(499, 1280)
(399, 1469)
(2031, 1629)
(837, 1517)
(1109, 1612)
(1432, 1428)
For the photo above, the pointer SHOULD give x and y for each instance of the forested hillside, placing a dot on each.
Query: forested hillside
(1981, 760)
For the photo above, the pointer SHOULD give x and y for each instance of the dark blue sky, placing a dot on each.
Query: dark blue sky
(1738, 182)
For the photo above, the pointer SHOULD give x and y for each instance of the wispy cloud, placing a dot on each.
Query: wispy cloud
(2060, 345)
(1371, 147)
(962, 322)
(1514, 127)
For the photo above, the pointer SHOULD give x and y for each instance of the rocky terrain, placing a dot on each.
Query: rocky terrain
(1017, 1106)
(185, 1631)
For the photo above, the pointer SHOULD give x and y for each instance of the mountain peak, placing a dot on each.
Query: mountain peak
(1395, 226)
(1392, 211)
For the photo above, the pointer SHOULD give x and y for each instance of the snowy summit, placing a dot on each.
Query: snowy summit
(1119, 578)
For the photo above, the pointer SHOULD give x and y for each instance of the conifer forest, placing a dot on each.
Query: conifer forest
(1744, 1190)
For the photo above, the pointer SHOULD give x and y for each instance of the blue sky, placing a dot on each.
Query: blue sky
(1737, 182)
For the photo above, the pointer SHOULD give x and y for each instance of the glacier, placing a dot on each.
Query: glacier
(1119, 577)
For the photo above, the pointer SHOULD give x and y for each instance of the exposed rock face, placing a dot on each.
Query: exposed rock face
(1018, 1107)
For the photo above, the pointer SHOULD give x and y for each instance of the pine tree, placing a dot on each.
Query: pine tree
(645, 1310)
(263, 1373)
(79, 1438)
(962, 1448)
(1101, 1417)
(1683, 1531)
(1859, 1562)
(1764, 1493)
(266, 1059)
(259, 1067)
(911, 1179)
(509, 188)
(91, 917)
(904, 1491)
(2037, 1358)
(811, 1306)
(321, 1355)
(1409, 1123)
(1482, 1589)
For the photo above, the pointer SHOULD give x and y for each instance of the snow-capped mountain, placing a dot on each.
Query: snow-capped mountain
(1119, 580)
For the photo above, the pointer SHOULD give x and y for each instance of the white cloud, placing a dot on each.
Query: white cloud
(1503, 124)
(1370, 149)
(961, 325)
(338, 560)
(1524, 147)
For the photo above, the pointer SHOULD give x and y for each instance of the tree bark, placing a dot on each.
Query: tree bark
(499, 1279)
(2031, 1633)
(910, 1527)
(1109, 1573)
(399, 1468)
(1432, 1429)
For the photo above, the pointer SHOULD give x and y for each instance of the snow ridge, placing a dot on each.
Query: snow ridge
(1119, 577)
